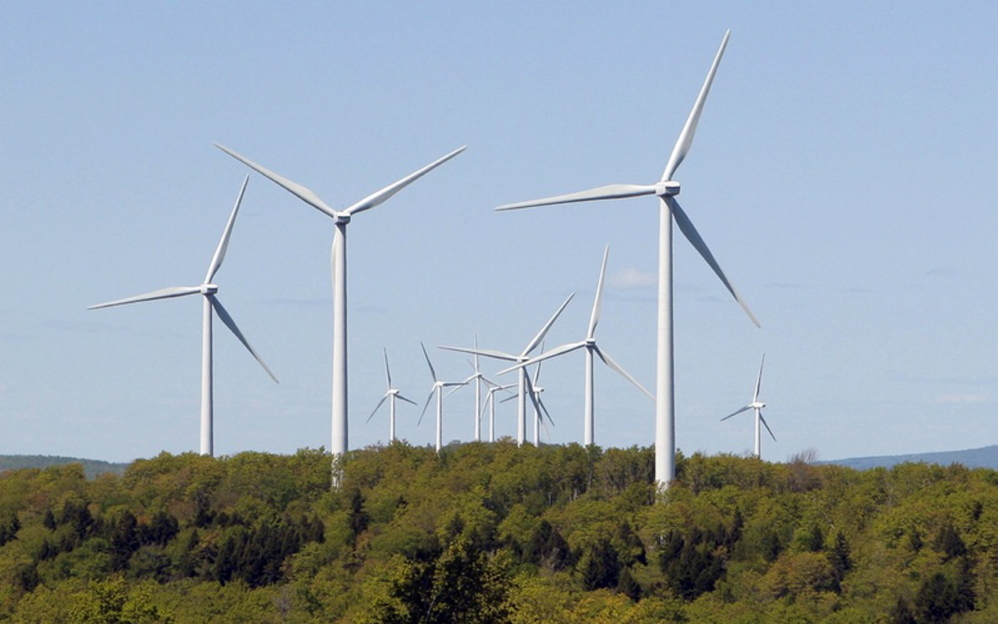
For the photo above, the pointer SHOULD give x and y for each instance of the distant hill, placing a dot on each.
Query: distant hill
(984, 457)
(91, 467)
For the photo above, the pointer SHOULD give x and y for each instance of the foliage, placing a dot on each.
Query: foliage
(493, 533)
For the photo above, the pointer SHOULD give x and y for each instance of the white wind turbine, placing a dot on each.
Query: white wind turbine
(521, 405)
(437, 389)
(391, 395)
(756, 405)
(339, 268)
(589, 344)
(666, 189)
(210, 302)
(490, 403)
(478, 377)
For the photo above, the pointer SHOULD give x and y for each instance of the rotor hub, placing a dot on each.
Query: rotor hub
(342, 217)
(209, 289)
(667, 188)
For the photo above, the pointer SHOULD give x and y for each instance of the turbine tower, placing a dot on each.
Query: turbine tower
(756, 405)
(524, 380)
(339, 267)
(210, 304)
(437, 389)
(478, 377)
(666, 190)
(589, 344)
(391, 395)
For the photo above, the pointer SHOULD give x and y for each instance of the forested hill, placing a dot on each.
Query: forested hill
(985, 457)
(488, 533)
(91, 467)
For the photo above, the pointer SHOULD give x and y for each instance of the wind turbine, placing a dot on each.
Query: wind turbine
(666, 190)
(589, 344)
(391, 395)
(210, 302)
(339, 268)
(478, 377)
(756, 405)
(437, 389)
(521, 405)
(490, 403)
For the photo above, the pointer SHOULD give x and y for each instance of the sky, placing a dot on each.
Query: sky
(843, 174)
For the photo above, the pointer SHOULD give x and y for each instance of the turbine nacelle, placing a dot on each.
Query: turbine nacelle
(757, 405)
(667, 188)
(341, 218)
(209, 289)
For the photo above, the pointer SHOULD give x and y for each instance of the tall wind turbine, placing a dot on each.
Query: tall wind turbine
(666, 190)
(521, 405)
(339, 267)
(756, 405)
(210, 302)
(589, 344)
(437, 389)
(478, 377)
(391, 395)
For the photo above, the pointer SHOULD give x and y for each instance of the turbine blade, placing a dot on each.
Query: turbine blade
(620, 369)
(544, 330)
(379, 197)
(165, 293)
(227, 319)
(499, 355)
(735, 413)
(767, 426)
(223, 244)
(685, 140)
(758, 382)
(687, 228)
(533, 395)
(610, 191)
(425, 405)
(544, 410)
(407, 400)
(375, 410)
(565, 348)
(427, 356)
(597, 301)
(388, 371)
(299, 191)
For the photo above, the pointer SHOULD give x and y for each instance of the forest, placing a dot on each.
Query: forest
(485, 533)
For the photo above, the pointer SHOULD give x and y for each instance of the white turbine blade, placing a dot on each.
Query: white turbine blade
(544, 410)
(499, 355)
(375, 411)
(758, 382)
(224, 316)
(426, 355)
(377, 198)
(597, 301)
(565, 348)
(299, 191)
(544, 330)
(165, 293)
(537, 372)
(735, 413)
(454, 386)
(533, 395)
(223, 244)
(426, 405)
(767, 426)
(620, 369)
(388, 371)
(687, 228)
(685, 140)
(610, 191)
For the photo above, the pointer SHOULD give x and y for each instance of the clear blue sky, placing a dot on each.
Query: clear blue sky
(844, 174)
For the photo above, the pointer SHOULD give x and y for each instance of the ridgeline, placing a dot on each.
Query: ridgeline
(495, 533)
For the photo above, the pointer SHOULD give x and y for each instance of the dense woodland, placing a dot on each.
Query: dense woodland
(496, 533)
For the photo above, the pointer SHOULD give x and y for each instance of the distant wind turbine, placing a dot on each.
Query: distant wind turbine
(666, 190)
(490, 403)
(437, 389)
(211, 302)
(339, 267)
(589, 344)
(756, 405)
(391, 395)
(521, 405)
(478, 377)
